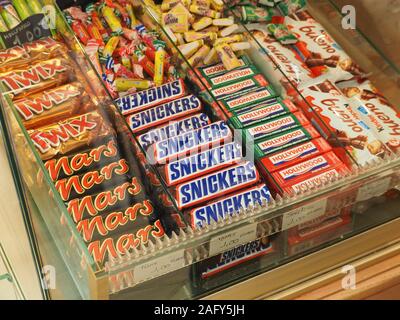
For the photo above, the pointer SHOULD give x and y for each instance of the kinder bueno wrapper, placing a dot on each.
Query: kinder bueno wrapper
(296, 155)
(53, 105)
(274, 108)
(320, 52)
(173, 129)
(377, 112)
(227, 205)
(341, 123)
(70, 135)
(285, 140)
(191, 142)
(202, 163)
(275, 126)
(37, 77)
(118, 245)
(152, 97)
(216, 184)
(294, 69)
(160, 114)
(28, 53)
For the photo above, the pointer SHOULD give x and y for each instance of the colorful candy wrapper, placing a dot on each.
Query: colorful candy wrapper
(3, 26)
(110, 47)
(257, 14)
(22, 9)
(147, 65)
(112, 20)
(35, 6)
(227, 56)
(282, 33)
(159, 62)
(122, 84)
(80, 31)
(92, 49)
(288, 7)
(198, 57)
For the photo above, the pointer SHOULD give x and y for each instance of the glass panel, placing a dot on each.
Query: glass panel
(9, 286)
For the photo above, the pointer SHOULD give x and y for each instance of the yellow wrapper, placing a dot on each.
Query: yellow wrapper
(238, 46)
(180, 39)
(159, 67)
(111, 19)
(206, 36)
(126, 62)
(202, 23)
(214, 29)
(227, 56)
(110, 47)
(123, 84)
(177, 22)
(230, 39)
(189, 49)
(198, 57)
(217, 5)
(224, 22)
(203, 11)
(228, 30)
(202, 3)
(212, 57)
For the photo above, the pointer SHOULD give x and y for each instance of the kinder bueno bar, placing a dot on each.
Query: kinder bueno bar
(249, 99)
(377, 112)
(152, 97)
(293, 67)
(231, 77)
(37, 77)
(202, 163)
(216, 184)
(118, 245)
(228, 205)
(113, 199)
(173, 129)
(237, 256)
(295, 155)
(172, 110)
(341, 123)
(213, 70)
(53, 105)
(78, 163)
(285, 140)
(277, 125)
(94, 181)
(303, 184)
(304, 169)
(319, 50)
(191, 142)
(70, 135)
(265, 111)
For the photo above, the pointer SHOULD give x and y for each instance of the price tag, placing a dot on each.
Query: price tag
(306, 213)
(31, 29)
(233, 239)
(159, 266)
(373, 189)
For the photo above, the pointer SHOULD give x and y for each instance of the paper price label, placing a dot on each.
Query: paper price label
(373, 189)
(232, 239)
(304, 214)
(159, 266)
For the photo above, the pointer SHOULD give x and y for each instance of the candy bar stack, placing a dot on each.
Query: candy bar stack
(12, 13)
(128, 57)
(98, 182)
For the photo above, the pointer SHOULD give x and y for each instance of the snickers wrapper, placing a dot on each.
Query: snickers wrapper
(71, 135)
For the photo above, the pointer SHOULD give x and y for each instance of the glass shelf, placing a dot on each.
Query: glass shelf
(189, 257)
(9, 285)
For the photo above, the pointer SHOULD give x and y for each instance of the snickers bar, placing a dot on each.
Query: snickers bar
(153, 117)
(228, 205)
(285, 140)
(266, 111)
(202, 163)
(214, 185)
(295, 155)
(277, 125)
(173, 129)
(152, 97)
(192, 141)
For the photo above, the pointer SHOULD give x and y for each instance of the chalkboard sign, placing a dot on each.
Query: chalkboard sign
(31, 29)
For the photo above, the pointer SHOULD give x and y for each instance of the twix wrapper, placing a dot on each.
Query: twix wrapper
(53, 105)
(38, 77)
(70, 135)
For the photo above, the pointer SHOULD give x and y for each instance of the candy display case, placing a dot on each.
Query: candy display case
(166, 255)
